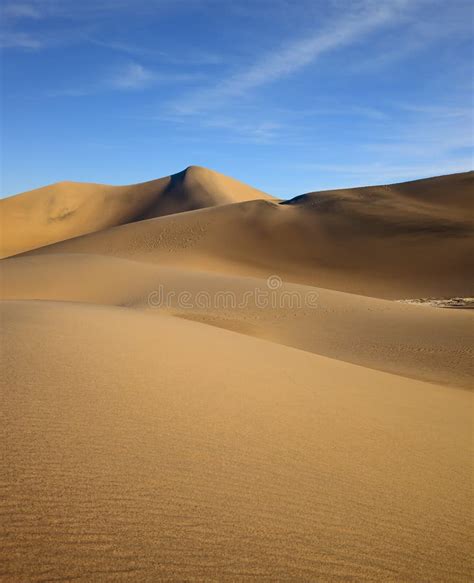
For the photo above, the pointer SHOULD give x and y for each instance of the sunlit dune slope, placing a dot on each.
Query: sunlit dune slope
(154, 448)
(382, 241)
(427, 344)
(69, 209)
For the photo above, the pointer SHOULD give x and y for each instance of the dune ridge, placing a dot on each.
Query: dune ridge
(65, 210)
(360, 241)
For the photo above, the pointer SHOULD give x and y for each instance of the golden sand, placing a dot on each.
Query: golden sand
(150, 436)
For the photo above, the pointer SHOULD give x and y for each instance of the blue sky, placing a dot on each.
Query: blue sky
(288, 95)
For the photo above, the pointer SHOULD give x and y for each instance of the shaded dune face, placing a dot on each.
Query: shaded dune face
(325, 437)
(197, 188)
(70, 209)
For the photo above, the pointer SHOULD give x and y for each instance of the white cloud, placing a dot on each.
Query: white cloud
(190, 58)
(435, 22)
(296, 55)
(368, 112)
(426, 134)
(74, 9)
(19, 10)
(384, 172)
(439, 111)
(133, 76)
(261, 132)
(420, 140)
(82, 15)
(20, 40)
(136, 76)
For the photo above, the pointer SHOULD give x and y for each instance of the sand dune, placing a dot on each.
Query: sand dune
(159, 449)
(431, 345)
(198, 385)
(360, 241)
(69, 209)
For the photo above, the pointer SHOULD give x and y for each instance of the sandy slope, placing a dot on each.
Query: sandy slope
(432, 345)
(146, 449)
(171, 414)
(68, 209)
(364, 242)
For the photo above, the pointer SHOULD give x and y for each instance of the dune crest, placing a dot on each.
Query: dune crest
(372, 241)
(65, 210)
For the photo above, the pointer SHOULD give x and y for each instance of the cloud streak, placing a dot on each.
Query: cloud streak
(18, 10)
(423, 139)
(385, 172)
(21, 40)
(131, 76)
(74, 9)
(295, 56)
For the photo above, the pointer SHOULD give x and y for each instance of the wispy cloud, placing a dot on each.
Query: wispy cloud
(63, 22)
(196, 57)
(419, 140)
(130, 76)
(133, 76)
(17, 10)
(379, 172)
(236, 127)
(22, 40)
(73, 9)
(354, 111)
(426, 134)
(438, 111)
(445, 21)
(294, 56)
(124, 47)
(261, 132)
(38, 37)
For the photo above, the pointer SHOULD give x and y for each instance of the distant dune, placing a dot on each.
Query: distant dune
(379, 241)
(203, 383)
(69, 209)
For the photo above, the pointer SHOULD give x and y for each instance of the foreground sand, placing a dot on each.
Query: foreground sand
(134, 449)
(329, 441)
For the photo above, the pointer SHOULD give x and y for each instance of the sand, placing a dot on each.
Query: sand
(378, 242)
(69, 209)
(298, 425)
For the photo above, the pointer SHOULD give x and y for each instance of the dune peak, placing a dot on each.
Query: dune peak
(66, 209)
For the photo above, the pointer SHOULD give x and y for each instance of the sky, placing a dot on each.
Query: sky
(290, 96)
